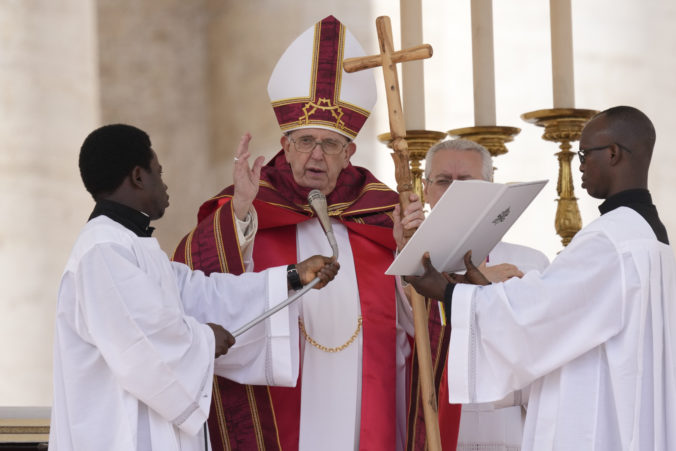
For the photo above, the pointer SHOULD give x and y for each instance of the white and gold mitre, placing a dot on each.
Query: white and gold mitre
(309, 88)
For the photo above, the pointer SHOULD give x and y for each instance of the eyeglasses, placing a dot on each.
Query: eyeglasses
(582, 153)
(306, 144)
(441, 181)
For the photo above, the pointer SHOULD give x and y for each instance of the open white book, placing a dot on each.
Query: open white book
(471, 215)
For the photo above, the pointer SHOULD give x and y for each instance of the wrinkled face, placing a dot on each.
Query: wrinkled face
(595, 169)
(316, 169)
(156, 196)
(447, 166)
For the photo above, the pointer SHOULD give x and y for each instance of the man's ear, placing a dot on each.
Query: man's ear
(615, 154)
(284, 141)
(349, 151)
(136, 177)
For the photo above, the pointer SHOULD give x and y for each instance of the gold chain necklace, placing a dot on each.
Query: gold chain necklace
(325, 348)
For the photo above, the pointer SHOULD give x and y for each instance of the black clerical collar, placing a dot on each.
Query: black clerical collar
(134, 220)
(641, 202)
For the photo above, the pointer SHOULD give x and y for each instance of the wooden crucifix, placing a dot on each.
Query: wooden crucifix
(387, 59)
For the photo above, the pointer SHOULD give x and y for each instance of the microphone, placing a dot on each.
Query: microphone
(317, 202)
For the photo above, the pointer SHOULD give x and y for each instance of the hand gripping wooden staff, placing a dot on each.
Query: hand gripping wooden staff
(387, 59)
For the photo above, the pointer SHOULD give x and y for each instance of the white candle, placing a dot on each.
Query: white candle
(562, 53)
(482, 62)
(412, 75)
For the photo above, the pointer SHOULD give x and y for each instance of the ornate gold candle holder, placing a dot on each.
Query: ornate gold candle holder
(563, 125)
(419, 142)
(492, 137)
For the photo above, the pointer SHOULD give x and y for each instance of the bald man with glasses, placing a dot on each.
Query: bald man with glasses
(595, 333)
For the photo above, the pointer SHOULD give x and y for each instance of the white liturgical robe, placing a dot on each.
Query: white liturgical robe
(499, 426)
(593, 333)
(132, 371)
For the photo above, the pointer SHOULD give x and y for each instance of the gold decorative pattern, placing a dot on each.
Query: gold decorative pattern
(274, 417)
(218, 237)
(492, 137)
(187, 251)
(255, 419)
(325, 348)
(336, 209)
(234, 227)
(220, 414)
(322, 104)
(563, 125)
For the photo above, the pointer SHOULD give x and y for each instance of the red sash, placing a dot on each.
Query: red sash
(258, 417)
(449, 414)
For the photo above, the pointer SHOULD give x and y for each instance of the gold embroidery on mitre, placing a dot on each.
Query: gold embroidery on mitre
(323, 105)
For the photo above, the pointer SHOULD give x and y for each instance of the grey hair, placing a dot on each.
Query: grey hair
(462, 145)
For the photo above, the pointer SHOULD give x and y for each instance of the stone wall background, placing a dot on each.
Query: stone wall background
(194, 76)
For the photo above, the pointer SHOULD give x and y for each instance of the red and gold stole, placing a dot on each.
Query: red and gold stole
(245, 417)
(449, 414)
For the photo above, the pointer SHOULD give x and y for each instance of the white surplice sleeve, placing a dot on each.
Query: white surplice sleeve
(246, 232)
(404, 308)
(154, 351)
(506, 335)
(268, 353)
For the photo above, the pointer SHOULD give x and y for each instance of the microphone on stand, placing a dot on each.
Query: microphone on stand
(317, 202)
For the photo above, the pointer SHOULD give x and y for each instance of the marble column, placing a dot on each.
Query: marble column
(48, 102)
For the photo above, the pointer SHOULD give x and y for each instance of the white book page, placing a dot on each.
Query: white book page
(471, 215)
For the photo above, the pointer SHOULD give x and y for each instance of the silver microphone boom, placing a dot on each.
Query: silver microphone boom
(317, 202)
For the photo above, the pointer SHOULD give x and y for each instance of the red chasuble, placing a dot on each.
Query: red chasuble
(260, 417)
(449, 414)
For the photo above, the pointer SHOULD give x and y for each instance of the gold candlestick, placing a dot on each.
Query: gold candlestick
(492, 137)
(419, 142)
(563, 125)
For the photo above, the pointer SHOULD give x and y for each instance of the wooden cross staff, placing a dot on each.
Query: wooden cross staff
(387, 59)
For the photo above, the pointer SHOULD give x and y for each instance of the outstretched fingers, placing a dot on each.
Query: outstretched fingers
(242, 151)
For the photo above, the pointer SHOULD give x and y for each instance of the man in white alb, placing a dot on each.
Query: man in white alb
(593, 333)
(132, 369)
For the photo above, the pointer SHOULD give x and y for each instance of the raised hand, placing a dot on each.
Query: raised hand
(412, 218)
(317, 266)
(224, 339)
(245, 178)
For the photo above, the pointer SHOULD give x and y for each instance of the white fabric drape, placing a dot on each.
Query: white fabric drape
(593, 333)
(499, 426)
(126, 354)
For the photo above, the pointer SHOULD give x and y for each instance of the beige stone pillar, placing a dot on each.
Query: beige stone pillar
(153, 70)
(48, 102)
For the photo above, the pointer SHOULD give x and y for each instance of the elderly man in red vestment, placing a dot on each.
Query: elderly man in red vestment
(353, 344)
